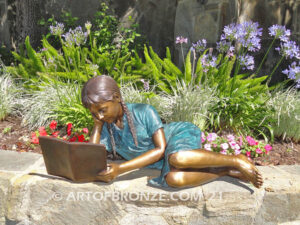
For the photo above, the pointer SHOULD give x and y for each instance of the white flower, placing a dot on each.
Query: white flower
(224, 146)
(207, 147)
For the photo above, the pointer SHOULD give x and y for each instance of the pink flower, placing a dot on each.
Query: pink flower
(85, 130)
(211, 137)
(258, 150)
(234, 145)
(207, 147)
(215, 145)
(251, 141)
(268, 148)
(224, 152)
(224, 146)
(230, 137)
(237, 151)
(181, 40)
(248, 154)
(53, 125)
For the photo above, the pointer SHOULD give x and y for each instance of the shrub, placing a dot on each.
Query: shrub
(9, 94)
(286, 114)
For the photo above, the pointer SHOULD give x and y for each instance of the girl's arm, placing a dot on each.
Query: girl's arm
(96, 133)
(143, 160)
(148, 157)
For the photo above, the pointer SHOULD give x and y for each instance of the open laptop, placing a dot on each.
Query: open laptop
(77, 161)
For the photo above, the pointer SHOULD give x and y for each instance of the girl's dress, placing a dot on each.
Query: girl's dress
(180, 136)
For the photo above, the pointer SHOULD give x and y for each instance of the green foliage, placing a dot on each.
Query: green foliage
(239, 100)
(5, 55)
(5, 105)
(191, 104)
(286, 114)
(69, 108)
(111, 36)
(37, 107)
(184, 105)
(132, 94)
(245, 115)
(9, 93)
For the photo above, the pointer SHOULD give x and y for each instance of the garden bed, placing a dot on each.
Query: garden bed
(17, 138)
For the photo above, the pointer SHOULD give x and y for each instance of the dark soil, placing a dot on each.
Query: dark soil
(17, 138)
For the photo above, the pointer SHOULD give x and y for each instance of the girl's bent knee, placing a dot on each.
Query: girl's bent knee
(178, 160)
(172, 181)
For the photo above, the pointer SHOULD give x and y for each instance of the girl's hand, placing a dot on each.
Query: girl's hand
(110, 173)
(96, 120)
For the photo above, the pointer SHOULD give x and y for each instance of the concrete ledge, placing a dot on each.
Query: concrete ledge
(29, 196)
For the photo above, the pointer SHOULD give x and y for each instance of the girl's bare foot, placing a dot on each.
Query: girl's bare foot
(249, 171)
(236, 174)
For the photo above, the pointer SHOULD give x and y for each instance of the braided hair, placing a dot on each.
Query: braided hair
(103, 88)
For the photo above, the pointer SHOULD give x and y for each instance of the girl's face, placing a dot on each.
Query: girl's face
(109, 111)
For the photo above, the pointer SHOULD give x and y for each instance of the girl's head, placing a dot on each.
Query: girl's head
(102, 96)
(99, 89)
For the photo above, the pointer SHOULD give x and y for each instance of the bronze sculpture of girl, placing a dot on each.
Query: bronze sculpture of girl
(136, 132)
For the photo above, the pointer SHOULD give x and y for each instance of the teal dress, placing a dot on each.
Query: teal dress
(180, 136)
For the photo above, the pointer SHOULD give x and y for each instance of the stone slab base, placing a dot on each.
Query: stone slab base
(28, 195)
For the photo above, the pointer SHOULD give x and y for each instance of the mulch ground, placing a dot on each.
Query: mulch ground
(17, 138)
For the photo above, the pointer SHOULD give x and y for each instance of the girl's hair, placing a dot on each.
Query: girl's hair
(103, 88)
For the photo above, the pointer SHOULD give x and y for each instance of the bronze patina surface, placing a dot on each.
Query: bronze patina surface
(77, 161)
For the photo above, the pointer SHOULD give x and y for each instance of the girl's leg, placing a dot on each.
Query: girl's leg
(202, 158)
(186, 178)
(181, 179)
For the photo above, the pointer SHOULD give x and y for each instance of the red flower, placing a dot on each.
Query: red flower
(69, 129)
(85, 130)
(80, 138)
(72, 139)
(42, 131)
(53, 125)
(55, 134)
(34, 138)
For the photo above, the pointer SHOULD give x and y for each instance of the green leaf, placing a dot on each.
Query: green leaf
(188, 68)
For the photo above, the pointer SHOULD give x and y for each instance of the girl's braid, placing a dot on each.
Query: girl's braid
(112, 141)
(130, 122)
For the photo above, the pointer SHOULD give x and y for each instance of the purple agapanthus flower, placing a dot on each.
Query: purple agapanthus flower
(247, 34)
(230, 32)
(146, 85)
(289, 49)
(199, 46)
(225, 46)
(76, 36)
(293, 72)
(58, 29)
(208, 61)
(280, 32)
(246, 61)
(181, 40)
